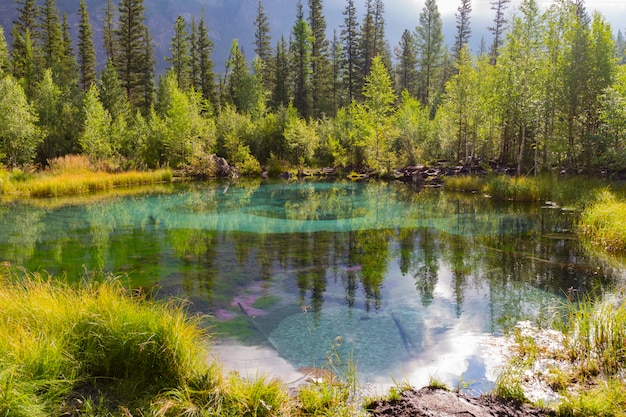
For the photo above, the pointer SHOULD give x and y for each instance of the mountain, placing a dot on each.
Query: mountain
(226, 20)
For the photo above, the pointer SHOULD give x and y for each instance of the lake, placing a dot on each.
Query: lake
(405, 284)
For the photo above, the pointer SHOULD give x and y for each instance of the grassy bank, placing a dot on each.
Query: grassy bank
(73, 175)
(99, 349)
(574, 190)
(603, 223)
(602, 205)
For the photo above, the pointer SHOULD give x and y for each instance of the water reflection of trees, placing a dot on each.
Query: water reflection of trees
(196, 260)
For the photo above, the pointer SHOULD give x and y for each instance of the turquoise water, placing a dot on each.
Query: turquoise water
(393, 280)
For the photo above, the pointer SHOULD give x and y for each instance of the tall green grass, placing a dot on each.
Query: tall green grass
(574, 190)
(100, 349)
(603, 223)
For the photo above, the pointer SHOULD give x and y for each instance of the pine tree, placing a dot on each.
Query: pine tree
(320, 61)
(349, 38)
(263, 48)
(134, 52)
(51, 36)
(497, 29)
(108, 35)
(430, 50)
(205, 66)
(463, 29)
(86, 50)
(181, 58)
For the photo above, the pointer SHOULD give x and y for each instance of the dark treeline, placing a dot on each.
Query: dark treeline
(548, 91)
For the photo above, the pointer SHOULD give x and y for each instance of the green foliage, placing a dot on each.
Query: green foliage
(96, 139)
(19, 135)
(301, 139)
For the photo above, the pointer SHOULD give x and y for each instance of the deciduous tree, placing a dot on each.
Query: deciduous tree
(19, 135)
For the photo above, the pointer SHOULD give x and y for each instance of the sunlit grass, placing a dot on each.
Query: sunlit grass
(596, 337)
(101, 349)
(73, 175)
(564, 191)
(466, 183)
(71, 184)
(603, 223)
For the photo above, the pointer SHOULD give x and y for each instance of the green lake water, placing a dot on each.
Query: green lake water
(404, 284)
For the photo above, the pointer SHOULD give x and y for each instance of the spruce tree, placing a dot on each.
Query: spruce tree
(381, 47)
(146, 87)
(205, 66)
(300, 62)
(320, 60)
(69, 67)
(111, 92)
(108, 33)
(462, 27)
(349, 38)
(280, 93)
(337, 58)
(51, 36)
(499, 22)
(194, 62)
(406, 71)
(367, 45)
(430, 50)
(25, 46)
(134, 60)
(181, 58)
(262, 46)
(86, 50)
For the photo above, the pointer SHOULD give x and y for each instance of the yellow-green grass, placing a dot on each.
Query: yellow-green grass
(466, 183)
(603, 223)
(81, 183)
(100, 349)
(574, 190)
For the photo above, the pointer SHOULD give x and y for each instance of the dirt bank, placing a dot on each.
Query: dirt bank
(430, 402)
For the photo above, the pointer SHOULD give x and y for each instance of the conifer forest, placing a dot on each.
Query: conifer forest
(547, 91)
